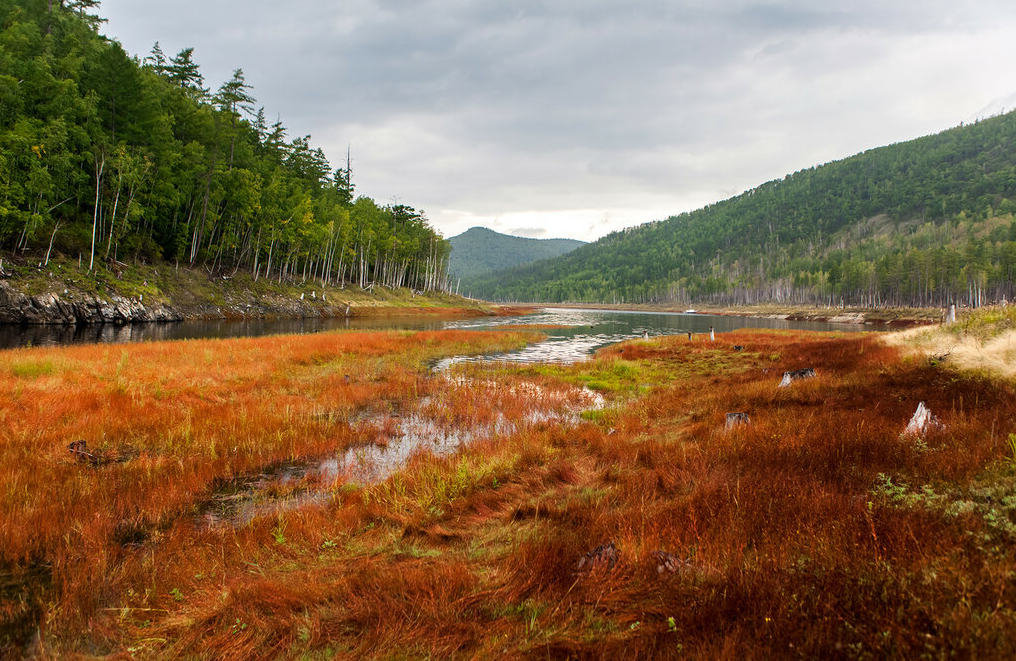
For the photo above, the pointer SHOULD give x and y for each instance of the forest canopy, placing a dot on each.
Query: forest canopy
(108, 156)
(923, 223)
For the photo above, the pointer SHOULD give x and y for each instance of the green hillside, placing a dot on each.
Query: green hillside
(479, 250)
(110, 158)
(924, 222)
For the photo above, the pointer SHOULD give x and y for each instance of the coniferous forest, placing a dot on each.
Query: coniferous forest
(922, 223)
(108, 156)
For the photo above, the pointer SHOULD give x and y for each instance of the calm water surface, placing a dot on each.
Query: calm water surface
(585, 331)
(581, 331)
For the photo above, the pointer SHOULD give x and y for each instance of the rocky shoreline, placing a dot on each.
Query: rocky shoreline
(77, 308)
(50, 308)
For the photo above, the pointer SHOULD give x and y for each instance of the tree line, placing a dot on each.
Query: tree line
(926, 222)
(106, 156)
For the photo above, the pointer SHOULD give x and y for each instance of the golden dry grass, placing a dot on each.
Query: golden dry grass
(984, 339)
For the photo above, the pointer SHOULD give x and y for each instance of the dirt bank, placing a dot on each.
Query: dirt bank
(63, 293)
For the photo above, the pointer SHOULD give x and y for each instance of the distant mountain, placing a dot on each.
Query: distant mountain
(479, 251)
(923, 223)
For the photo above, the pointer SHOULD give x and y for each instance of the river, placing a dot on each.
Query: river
(572, 333)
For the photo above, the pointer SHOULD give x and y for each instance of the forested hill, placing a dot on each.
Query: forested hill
(106, 158)
(479, 250)
(924, 222)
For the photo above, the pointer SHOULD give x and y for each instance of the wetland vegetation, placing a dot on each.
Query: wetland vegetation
(629, 522)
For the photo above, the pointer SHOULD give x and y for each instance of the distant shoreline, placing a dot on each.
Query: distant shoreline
(895, 317)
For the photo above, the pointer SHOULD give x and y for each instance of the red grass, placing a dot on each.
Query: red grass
(792, 548)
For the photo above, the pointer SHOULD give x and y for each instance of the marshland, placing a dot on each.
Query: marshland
(259, 401)
(350, 494)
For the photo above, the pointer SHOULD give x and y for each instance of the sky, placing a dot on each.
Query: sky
(576, 118)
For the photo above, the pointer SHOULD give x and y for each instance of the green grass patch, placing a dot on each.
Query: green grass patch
(32, 369)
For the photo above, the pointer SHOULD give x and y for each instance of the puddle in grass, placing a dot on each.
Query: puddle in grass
(390, 440)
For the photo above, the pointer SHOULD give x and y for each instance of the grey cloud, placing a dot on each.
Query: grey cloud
(484, 109)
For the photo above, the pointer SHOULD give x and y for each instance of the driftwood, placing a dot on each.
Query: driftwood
(604, 555)
(736, 420)
(922, 422)
(117, 455)
(795, 375)
(80, 451)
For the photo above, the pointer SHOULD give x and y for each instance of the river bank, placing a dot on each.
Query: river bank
(895, 317)
(64, 293)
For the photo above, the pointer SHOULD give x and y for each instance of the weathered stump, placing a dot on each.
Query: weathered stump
(923, 422)
(796, 375)
(668, 563)
(736, 420)
(603, 556)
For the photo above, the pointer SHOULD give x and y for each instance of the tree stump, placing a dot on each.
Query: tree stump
(922, 422)
(668, 563)
(736, 420)
(604, 555)
(796, 375)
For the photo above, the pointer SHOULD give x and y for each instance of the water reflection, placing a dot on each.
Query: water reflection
(582, 331)
(12, 335)
(391, 441)
(587, 330)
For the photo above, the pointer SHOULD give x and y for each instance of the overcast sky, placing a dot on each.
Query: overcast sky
(574, 118)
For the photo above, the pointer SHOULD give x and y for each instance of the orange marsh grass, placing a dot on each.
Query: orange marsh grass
(188, 414)
(794, 545)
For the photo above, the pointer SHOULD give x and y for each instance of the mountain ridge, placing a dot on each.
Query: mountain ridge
(481, 250)
(923, 222)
